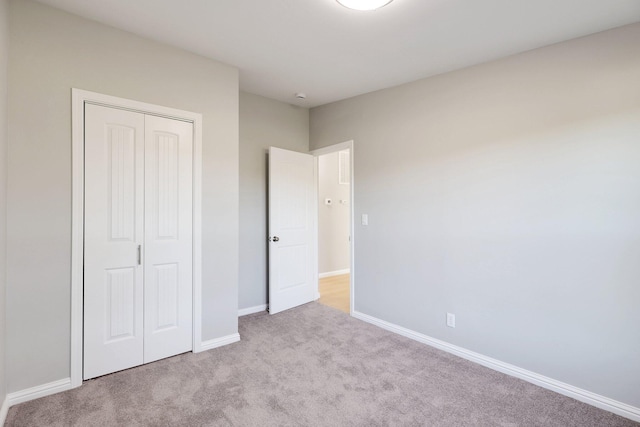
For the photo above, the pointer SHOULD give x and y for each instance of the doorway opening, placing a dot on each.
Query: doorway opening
(335, 226)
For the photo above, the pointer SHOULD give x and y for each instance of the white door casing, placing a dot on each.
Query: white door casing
(293, 263)
(80, 99)
(138, 239)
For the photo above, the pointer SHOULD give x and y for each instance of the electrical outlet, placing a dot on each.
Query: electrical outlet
(451, 320)
(365, 219)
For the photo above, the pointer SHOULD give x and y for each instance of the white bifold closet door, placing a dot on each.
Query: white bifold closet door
(138, 239)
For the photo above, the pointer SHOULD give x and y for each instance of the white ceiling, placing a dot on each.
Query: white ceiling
(329, 52)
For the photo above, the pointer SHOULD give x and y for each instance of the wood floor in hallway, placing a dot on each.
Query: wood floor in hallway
(334, 292)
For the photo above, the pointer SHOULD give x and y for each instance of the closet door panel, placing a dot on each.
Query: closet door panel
(168, 238)
(114, 203)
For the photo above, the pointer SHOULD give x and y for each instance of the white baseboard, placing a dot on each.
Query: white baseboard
(334, 273)
(219, 342)
(251, 310)
(65, 384)
(4, 409)
(582, 395)
(39, 391)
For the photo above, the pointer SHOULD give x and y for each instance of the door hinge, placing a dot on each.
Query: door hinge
(139, 254)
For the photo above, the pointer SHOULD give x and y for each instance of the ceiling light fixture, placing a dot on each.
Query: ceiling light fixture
(364, 4)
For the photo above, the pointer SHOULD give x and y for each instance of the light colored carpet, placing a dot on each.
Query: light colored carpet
(311, 366)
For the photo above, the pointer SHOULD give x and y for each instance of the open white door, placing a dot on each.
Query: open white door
(293, 211)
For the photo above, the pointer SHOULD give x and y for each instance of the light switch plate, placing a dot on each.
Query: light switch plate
(451, 320)
(365, 219)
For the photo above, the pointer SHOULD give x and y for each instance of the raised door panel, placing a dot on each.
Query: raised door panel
(114, 197)
(166, 147)
(293, 198)
(122, 182)
(165, 289)
(120, 313)
(295, 257)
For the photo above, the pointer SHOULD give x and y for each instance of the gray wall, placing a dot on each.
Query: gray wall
(263, 123)
(3, 186)
(333, 220)
(508, 194)
(51, 52)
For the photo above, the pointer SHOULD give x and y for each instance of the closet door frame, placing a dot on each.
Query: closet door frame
(79, 98)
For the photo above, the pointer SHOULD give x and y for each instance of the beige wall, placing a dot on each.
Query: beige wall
(4, 33)
(52, 52)
(263, 123)
(508, 194)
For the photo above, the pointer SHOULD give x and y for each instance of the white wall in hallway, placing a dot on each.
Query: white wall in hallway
(333, 218)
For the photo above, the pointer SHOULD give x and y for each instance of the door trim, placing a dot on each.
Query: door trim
(78, 99)
(352, 277)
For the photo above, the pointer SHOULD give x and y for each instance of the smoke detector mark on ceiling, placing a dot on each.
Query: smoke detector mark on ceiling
(364, 4)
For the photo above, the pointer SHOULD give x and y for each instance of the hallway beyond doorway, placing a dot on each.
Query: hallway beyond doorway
(334, 292)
